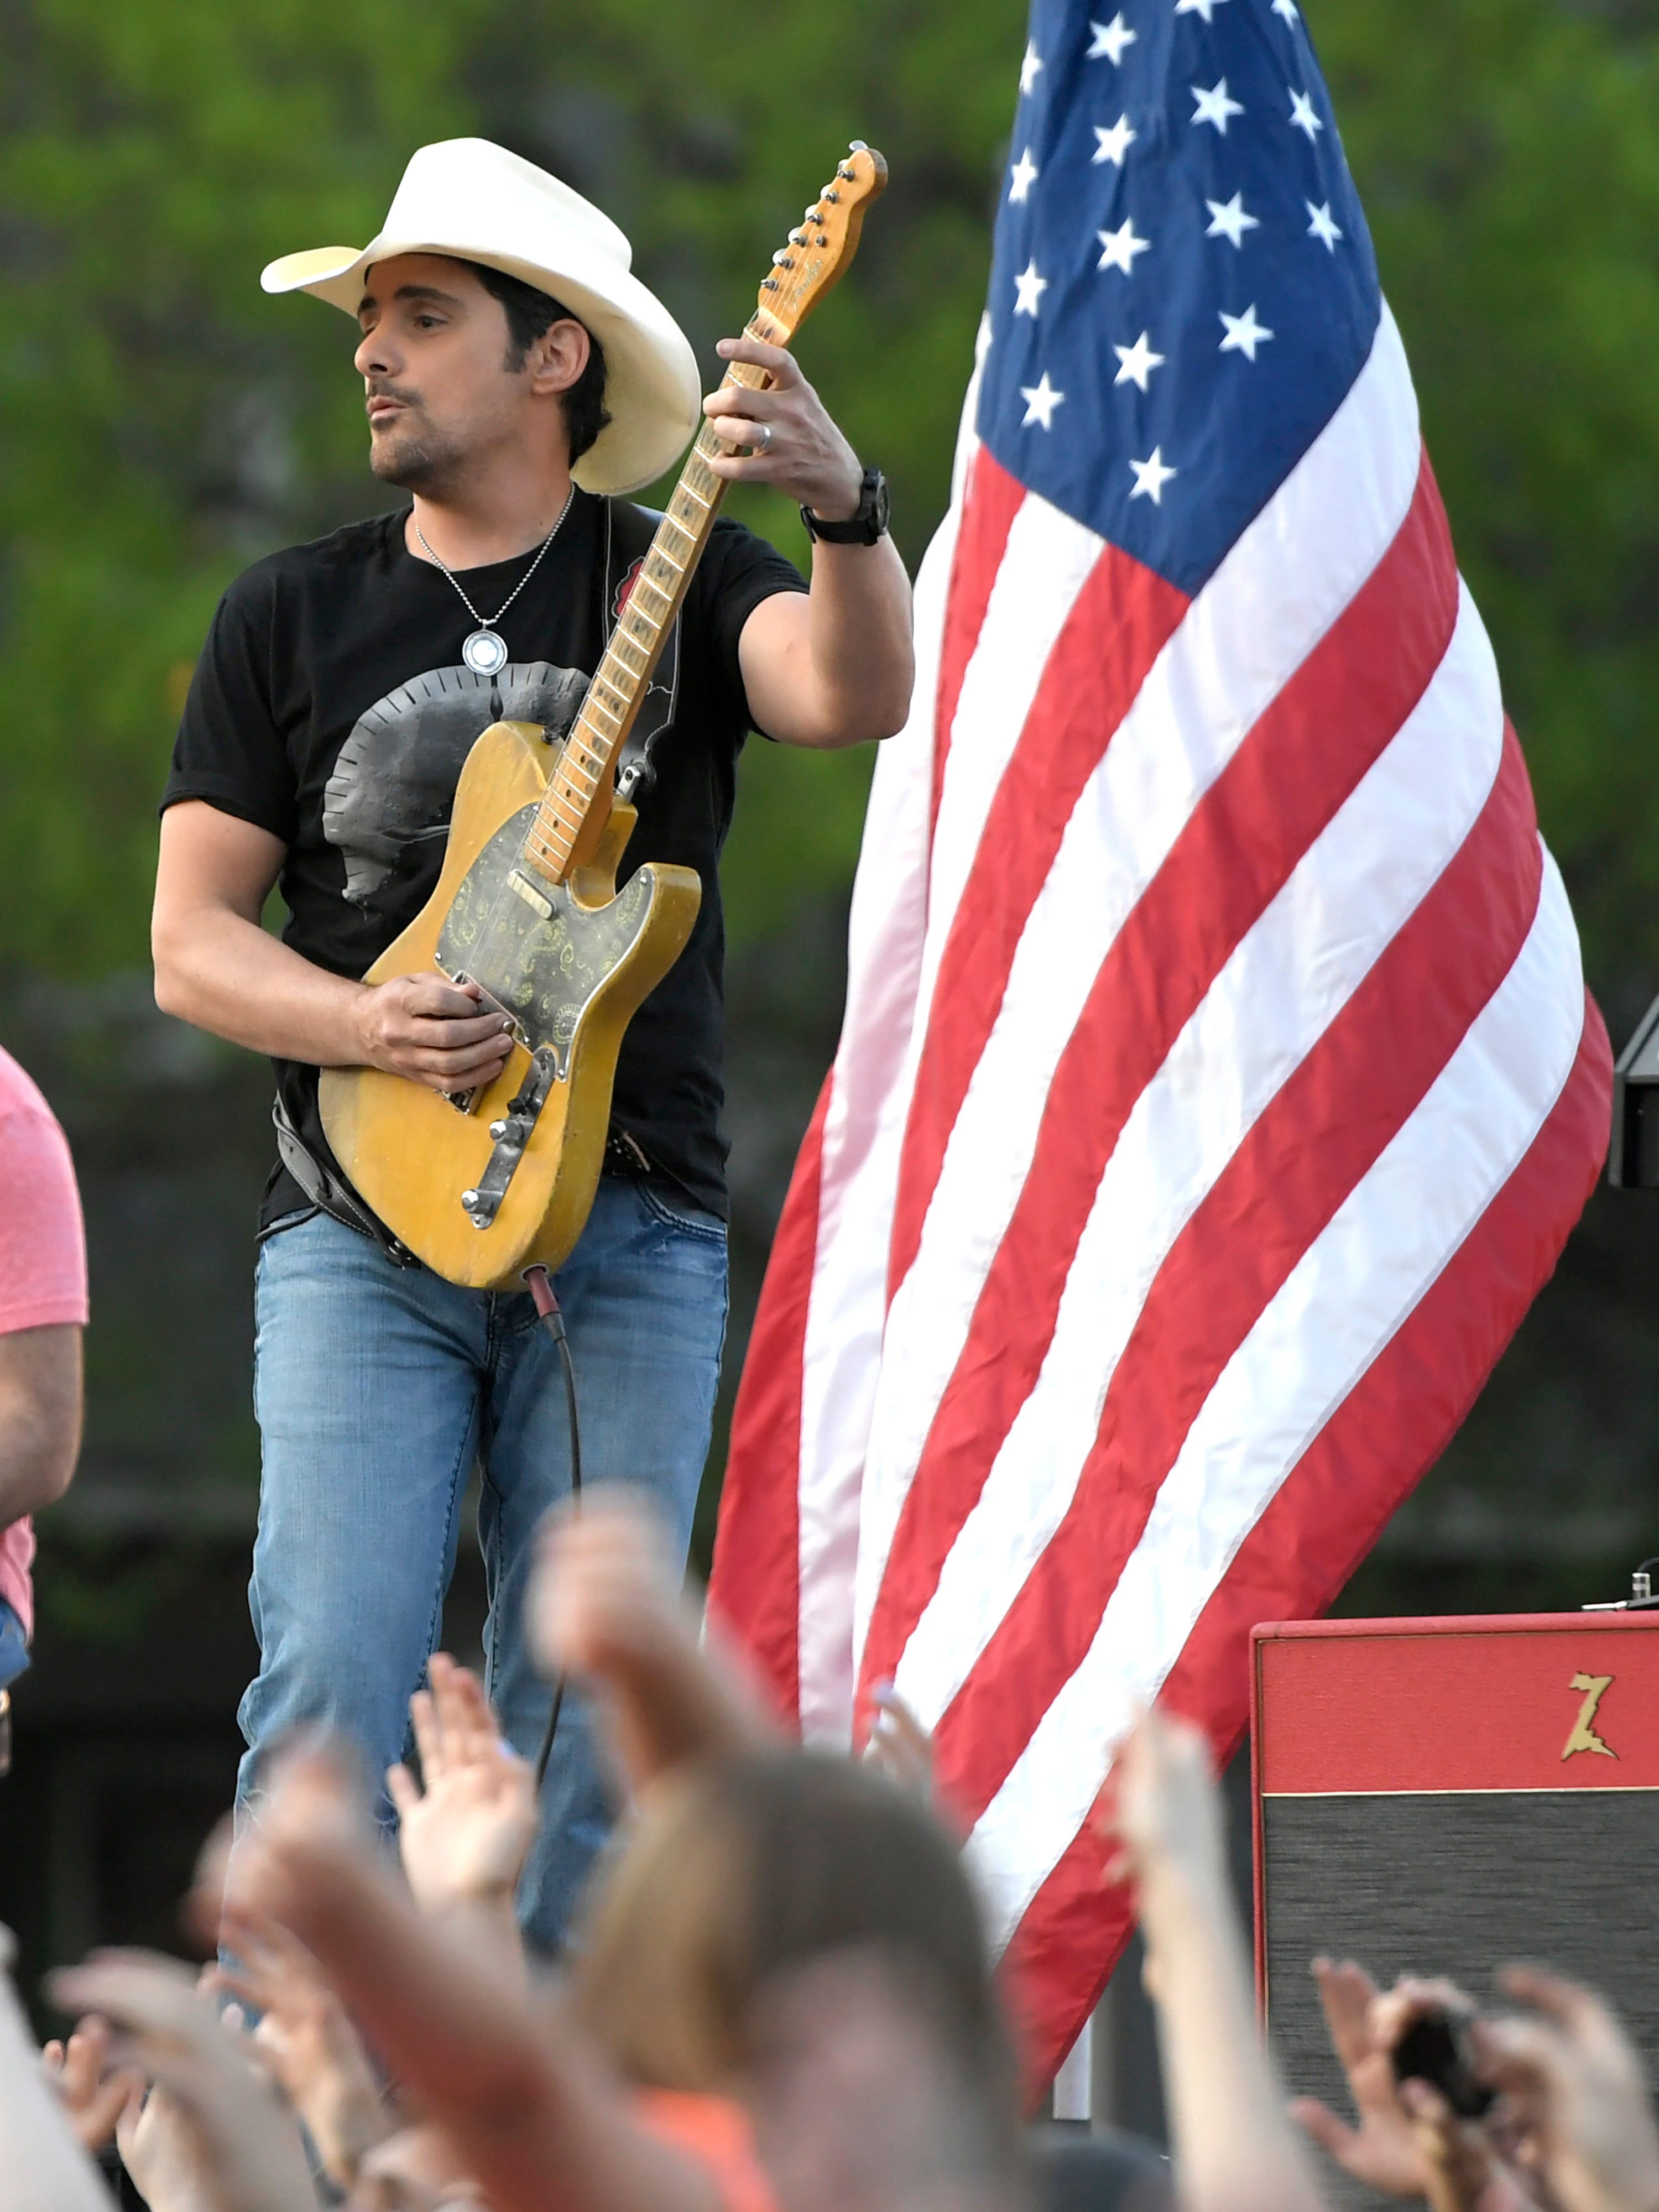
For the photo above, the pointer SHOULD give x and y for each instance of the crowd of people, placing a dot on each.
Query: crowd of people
(781, 1994)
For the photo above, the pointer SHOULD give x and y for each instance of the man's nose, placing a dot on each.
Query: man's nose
(376, 355)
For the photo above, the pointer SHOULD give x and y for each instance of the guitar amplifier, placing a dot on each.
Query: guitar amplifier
(1446, 1796)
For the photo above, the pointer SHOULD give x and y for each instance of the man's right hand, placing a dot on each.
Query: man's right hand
(432, 1031)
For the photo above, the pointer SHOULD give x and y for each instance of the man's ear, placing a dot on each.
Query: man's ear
(558, 357)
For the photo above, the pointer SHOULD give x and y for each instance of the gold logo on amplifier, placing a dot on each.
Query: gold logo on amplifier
(1583, 1736)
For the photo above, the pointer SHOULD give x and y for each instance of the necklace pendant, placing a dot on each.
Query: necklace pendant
(484, 652)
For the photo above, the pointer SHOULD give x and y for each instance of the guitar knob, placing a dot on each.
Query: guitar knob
(497, 1131)
(472, 1199)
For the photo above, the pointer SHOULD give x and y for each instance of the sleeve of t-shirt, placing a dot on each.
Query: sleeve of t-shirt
(43, 1247)
(229, 750)
(742, 570)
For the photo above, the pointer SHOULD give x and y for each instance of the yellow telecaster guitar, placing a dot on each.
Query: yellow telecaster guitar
(484, 1184)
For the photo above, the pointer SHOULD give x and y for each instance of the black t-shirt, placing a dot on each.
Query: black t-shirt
(331, 707)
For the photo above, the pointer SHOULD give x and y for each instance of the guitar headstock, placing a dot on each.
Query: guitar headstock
(821, 246)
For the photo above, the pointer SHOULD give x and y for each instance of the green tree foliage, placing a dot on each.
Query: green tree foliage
(1510, 166)
(161, 422)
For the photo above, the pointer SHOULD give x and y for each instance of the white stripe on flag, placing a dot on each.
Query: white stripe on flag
(1276, 593)
(864, 1129)
(1352, 1290)
(1047, 561)
(1286, 981)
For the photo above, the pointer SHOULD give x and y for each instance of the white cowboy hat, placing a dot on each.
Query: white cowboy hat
(476, 202)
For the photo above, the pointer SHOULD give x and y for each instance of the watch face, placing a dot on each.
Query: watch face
(882, 505)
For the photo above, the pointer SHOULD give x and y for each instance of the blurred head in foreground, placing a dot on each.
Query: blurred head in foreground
(749, 1872)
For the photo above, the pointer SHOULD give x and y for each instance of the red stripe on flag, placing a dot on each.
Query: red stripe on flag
(1368, 1459)
(754, 1587)
(1055, 1971)
(1315, 1143)
(990, 499)
(1120, 622)
(1288, 778)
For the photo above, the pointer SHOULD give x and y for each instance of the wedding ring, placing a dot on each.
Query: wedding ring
(762, 436)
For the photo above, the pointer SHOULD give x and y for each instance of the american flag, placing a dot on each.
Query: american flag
(1217, 1084)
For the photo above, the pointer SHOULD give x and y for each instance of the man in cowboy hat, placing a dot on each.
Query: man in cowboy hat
(515, 374)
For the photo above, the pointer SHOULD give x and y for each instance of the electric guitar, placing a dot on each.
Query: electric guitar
(483, 1184)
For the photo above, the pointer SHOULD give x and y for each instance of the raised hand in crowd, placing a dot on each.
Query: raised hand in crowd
(305, 2040)
(1233, 2147)
(524, 2109)
(106, 2103)
(167, 2159)
(608, 1607)
(1577, 2098)
(1407, 2141)
(93, 2090)
(221, 2139)
(1464, 2165)
(465, 1828)
(899, 1745)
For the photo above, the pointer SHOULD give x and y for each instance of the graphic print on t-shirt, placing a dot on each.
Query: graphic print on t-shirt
(393, 785)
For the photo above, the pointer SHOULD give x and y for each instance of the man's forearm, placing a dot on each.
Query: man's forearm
(215, 966)
(532, 2117)
(680, 1705)
(1233, 2149)
(863, 662)
(230, 976)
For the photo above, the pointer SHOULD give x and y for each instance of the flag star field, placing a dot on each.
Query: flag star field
(1175, 171)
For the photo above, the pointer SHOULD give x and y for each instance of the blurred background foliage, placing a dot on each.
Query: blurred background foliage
(163, 423)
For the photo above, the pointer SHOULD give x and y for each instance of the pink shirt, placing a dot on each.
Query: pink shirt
(43, 1261)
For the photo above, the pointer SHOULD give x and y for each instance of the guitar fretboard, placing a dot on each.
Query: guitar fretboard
(636, 644)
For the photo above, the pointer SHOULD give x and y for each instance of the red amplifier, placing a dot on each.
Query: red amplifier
(1444, 1797)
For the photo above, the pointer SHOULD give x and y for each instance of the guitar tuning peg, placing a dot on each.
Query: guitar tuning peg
(858, 146)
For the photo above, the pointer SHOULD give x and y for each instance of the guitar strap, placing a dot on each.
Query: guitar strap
(628, 531)
(330, 1193)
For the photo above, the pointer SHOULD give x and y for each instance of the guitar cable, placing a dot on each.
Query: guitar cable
(547, 1308)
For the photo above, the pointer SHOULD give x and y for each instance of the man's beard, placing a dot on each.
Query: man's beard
(415, 459)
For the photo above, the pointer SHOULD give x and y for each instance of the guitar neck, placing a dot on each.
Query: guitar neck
(580, 787)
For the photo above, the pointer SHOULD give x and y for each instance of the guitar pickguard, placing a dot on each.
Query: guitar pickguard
(530, 945)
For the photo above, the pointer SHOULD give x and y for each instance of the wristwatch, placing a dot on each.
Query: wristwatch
(865, 525)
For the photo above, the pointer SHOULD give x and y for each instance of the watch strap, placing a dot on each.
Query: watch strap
(865, 525)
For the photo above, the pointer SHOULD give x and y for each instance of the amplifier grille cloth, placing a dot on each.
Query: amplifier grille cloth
(1456, 1884)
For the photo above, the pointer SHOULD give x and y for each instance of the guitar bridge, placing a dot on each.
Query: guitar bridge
(511, 1133)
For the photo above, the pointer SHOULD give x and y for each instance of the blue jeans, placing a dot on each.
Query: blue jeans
(376, 1387)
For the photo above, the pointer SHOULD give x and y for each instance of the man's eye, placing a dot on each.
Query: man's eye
(429, 322)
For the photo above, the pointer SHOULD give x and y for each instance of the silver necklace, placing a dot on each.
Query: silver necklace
(484, 650)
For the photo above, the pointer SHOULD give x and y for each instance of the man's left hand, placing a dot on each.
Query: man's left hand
(793, 444)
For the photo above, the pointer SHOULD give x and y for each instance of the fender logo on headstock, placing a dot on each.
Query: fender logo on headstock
(1583, 1736)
